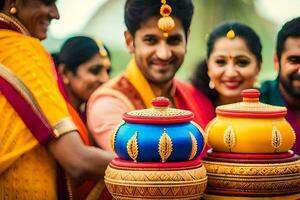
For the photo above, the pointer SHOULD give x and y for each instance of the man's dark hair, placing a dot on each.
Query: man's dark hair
(289, 29)
(55, 58)
(138, 11)
(46, 2)
(2, 2)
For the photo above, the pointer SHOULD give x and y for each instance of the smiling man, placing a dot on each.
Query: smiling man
(285, 90)
(158, 52)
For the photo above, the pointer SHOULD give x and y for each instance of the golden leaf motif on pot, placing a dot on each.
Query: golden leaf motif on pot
(165, 146)
(276, 138)
(114, 135)
(194, 148)
(229, 138)
(132, 147)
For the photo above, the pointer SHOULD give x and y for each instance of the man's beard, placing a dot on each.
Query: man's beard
(288, 86)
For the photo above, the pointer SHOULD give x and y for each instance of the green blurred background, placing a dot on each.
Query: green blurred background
(103, 19)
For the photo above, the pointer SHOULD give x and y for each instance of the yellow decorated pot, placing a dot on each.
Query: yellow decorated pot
(250, 127)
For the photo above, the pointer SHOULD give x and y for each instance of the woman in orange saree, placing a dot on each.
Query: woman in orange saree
(82, 66)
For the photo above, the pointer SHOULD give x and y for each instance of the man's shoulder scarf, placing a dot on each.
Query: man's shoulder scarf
(186, 97)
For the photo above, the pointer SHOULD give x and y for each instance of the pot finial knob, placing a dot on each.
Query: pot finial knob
(250, 95)
(161, 102)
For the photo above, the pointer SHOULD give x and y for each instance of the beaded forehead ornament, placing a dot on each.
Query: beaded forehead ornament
(165, 23)
(230, 34)
(102, 50)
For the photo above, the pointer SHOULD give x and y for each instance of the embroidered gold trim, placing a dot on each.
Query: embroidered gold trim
(23, 90)
(251, 107)
(19, 85)
(165, 146)
(194, 148)
(14, 22)
(132, 147)
(159, 112)
(64, 126)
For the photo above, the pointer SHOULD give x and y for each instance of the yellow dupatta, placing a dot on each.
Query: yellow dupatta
(21, 155)
(138, 80)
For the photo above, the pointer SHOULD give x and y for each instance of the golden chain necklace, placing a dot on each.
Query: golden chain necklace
(15, 23)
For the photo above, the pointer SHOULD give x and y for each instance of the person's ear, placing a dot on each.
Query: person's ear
(258, 67)
(187, 39)
(129, 42)
(211, 84)
(65, 74)
(276, 62)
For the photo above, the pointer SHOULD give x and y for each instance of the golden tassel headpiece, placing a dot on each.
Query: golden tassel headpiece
(165, 23)
(102, 50)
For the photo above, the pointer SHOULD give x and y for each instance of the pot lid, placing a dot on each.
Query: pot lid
(251, 107)
(160, 113)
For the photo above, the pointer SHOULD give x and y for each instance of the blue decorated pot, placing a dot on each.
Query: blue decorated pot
(158, 134)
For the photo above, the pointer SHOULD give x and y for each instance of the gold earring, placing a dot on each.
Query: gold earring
(211, 85)
(256, 84)
(230, 34)
(66, 81)
(13, 10)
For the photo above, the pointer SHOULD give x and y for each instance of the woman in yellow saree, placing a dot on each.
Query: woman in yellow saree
(32, 143)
